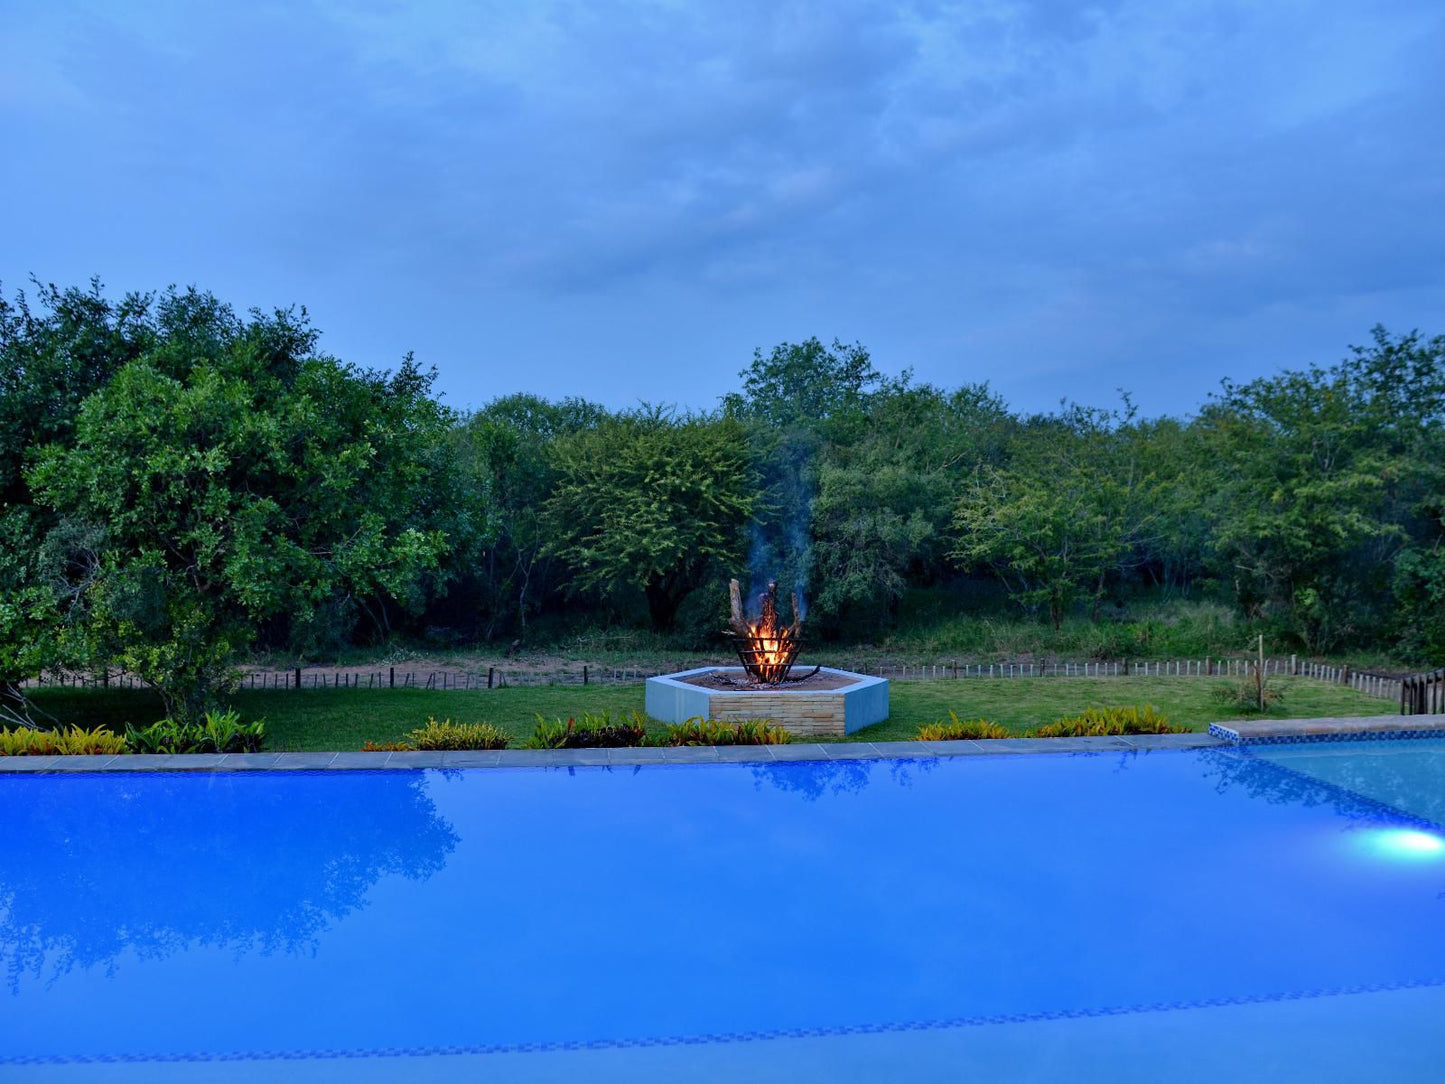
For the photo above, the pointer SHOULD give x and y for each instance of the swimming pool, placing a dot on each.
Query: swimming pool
(1190, 914)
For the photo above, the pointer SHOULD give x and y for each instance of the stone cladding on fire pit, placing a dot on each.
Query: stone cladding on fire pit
(856, 701)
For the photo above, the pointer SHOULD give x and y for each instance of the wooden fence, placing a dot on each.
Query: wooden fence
(1426, 689)
(1423, 694)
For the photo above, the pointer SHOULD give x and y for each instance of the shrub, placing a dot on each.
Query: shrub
(700, 731)
(1099, 722)
(957, 729)
(450, 735)
(589, 732)
(23, 741)
(1251, 693)
(222, 732)
(388, 747)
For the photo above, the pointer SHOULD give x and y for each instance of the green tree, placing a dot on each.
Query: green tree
(232, 477)
(881, 517)
(1327, 475)
(648, 502)
(506, 447)
(1073, 505)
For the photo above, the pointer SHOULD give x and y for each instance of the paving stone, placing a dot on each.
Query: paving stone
(690, 754)
(415, 759)
(850, 750)
(914, 750)
(308, 761)
(26, 764)
(240, 762)
(797, 751)
(356, 760)
(468, 758)
(639, 755)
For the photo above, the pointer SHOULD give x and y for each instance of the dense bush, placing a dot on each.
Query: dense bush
(1099, 722)
(450, 735)
(22, 741)
(957, 729)
(589, 732)
(700, 731)
(220, 732)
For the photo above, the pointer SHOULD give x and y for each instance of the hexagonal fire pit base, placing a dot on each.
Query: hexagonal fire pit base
(831, 704)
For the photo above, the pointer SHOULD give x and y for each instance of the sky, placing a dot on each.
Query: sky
(622, 200)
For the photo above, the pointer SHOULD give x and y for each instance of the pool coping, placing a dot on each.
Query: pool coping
(1219, 735)
(627, 757)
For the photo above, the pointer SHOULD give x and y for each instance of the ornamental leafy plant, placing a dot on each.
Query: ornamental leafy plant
(25, 741)
(1100, 722)
(589, 731)
(450, 735)
(699, 731)
(218, 732)
(956, 729)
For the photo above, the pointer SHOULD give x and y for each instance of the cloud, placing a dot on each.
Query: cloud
(980, 188)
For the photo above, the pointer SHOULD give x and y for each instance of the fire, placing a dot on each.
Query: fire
(766, 647)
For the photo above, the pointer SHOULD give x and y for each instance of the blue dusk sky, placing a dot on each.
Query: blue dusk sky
(621, 200)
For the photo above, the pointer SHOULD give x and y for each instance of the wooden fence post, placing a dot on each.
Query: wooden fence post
(489, 677)
(298, 677)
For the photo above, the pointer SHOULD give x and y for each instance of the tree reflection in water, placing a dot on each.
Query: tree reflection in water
(94, 866)
(812, 779)
(1280, 784)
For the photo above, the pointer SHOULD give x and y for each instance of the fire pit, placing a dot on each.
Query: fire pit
(823, 702)
(766, 648)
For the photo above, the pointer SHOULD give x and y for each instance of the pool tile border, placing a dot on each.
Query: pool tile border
(575, 758)
(1339, 729)
(823, 1031)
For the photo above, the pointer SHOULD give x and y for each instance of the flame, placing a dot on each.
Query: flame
(770, 649)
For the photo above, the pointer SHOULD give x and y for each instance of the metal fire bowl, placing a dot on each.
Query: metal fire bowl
(748, 656)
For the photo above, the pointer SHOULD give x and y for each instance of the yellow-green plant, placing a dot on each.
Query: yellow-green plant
(1099, 722)
(450, 735)
(956, 729)
(700, 731)
(589, 732)
(22, 741)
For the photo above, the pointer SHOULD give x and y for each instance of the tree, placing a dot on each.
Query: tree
(647, 501)
(881, 517)
(230, 476)
(1327, 475)
(1070, 508)
(506, 451)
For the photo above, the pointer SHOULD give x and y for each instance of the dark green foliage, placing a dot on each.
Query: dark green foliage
(181, 485)
(701, 731)
(589, 732)
(649, 504)
(219, 732)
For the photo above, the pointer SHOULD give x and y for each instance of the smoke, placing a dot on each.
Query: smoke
(781, 550)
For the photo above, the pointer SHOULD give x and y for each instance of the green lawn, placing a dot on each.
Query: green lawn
(329, 719)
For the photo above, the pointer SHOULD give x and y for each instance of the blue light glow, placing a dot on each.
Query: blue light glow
(1407, 843)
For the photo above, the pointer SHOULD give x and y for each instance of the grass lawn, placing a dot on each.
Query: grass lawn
(330, 719)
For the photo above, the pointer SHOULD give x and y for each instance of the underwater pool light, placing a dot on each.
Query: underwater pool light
(1409, 843)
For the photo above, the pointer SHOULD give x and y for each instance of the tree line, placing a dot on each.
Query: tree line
(181, 485)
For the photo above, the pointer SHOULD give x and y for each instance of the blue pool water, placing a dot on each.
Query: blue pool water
(1167, 915)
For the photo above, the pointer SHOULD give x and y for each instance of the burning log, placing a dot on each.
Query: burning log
(767, 648)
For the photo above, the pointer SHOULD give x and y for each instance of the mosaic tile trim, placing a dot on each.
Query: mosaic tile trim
(1224, 733)
(712, 1038)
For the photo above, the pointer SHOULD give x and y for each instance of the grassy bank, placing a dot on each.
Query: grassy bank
(346, 718)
